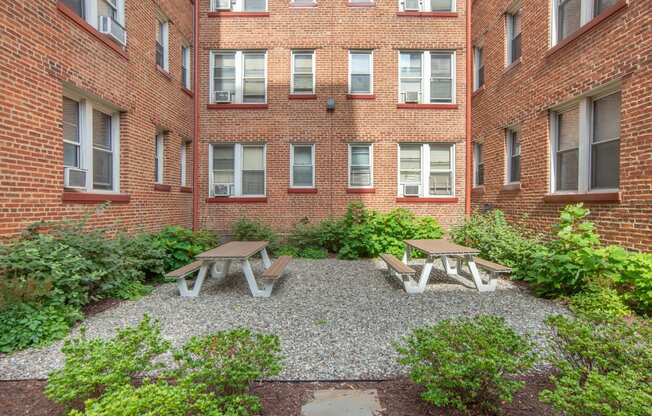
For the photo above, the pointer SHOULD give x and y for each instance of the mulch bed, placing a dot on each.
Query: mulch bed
(398, 397)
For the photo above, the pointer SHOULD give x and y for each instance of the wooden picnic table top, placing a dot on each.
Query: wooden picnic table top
(234, 250)
(441, 247)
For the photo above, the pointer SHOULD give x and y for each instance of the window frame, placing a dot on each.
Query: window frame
(293, 72)
(584, 104)
(239, 73)
(425, 170)
(163, 30)
(86, 147)
(426, 75)
(350, 165)
(370, 53)
(511, 134)
(478, 63)
(91, 16)
(183, 161)
(478, 162)
(159, 158)
(186, 64)
(293, 146)
(588, 12)
(510, 17)
(237, 169)
(425, 6)
(238, 6)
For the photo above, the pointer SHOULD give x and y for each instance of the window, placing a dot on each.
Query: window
(427, 77)
(237, 170)
(478, 66)
(107, 16)
(513, 156)
(183, 163)
(304, 2)
(162, 50)
(238, 77)
(513, 37)
(239, 5)
(586, 144)
(427, 5)
(360, 166)
(302, 165)
(303, 72)
(90, 144)
(159, 157)
(478, 163)
(186, 74)
(361, 72)
(426, 170)
(570, 15)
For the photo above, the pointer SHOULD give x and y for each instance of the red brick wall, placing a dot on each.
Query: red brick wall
(617, 48)
(331, 28)
(41, 49)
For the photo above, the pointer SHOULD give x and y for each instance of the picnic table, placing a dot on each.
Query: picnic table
(218, 261)
(445, 251)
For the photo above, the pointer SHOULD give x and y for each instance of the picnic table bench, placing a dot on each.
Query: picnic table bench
(223, 256)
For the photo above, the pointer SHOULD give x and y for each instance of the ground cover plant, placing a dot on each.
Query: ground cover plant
(467, 363)
(211, 375)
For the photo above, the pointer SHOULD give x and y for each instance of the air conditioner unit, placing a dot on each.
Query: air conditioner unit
(411, 189)
(223, 189)
(110, 27)
(411, 96)
(223, 96)
(411, 5)
(74, 178)
(221, 4)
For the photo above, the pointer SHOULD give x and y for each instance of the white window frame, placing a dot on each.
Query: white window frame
(478, 61)
(426, 75)
(509, 33)
(237, 168)
(238, 6)
(585, 104)
(312, 158)
(370, 146)
(91, 15)
(309, 3)
(159, 160)
(425, 6)
(85, 126)
(186, 62)
(587, 13)
(239, 73)
(478, 150)
(509, 134)
(369, 52)
(425, 169)
(163, 29)
(183, 164)
(293, 70)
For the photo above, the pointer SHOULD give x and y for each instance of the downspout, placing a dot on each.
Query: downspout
(468, 109)
(196, 159)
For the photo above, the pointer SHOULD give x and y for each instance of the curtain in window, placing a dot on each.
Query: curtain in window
(303, 166)
(303, 78)
(224, 75)
(254, 78)
(410, 64)
(441, 78)
(605, 143)
(71, 144)
(361, 72)
(440, 170)
(567, 150)
(441, 5)
(255, 5)
(360, 166)
(102, 151)
(410, 163)
(253, 170)
(223, 164)
(569, 17)
(76, 5)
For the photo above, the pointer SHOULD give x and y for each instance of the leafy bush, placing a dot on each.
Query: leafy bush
(498, 240)
(632, 275)
(24, 325)
(602, 369)
(313, 253)
(599, 304)
(467, 362)
(253, 230)
(181, 245)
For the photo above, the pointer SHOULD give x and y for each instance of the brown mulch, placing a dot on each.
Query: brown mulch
(100, 306)
(398, 397)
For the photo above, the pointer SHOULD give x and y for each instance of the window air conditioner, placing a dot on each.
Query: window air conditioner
(411, 5)
(223, 96)
(221, 4)
(412, 189)
(110, 27)
(223, 189)
(411, 96)
(74, 178)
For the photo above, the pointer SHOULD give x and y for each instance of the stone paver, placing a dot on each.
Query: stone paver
(343, 403)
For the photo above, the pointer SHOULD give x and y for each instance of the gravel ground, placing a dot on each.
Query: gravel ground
(336, 319)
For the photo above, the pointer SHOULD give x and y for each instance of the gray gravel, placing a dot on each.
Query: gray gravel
(336, 319)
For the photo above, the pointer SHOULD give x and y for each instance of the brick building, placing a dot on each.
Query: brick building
(562, 112)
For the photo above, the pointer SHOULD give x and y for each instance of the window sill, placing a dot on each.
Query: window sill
(93, 198)
(478, 190)
(511, 187)
(360, 190)
(238, 14)
(362, 4)
(478, 91)
(185, 189)
(587, 27)
(428, 106)
(237, 106)
(612, 197)
(428, 14)
(187, 92)
(162, 188)
(360, 97)
(68, 12)
(302, 97)
(235, 200)
(302, 190)
(513, 65)
(163, 72)
(416, 200)
(303, 6)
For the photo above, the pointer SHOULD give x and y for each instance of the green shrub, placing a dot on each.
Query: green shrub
(253, 230)
(632, 274)
(313, 253)
(181, 245)
(465, 363)
(599, 304)
(498, 241)
(287, 250)
(95, 365)
(602, 369)
(24, 325)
